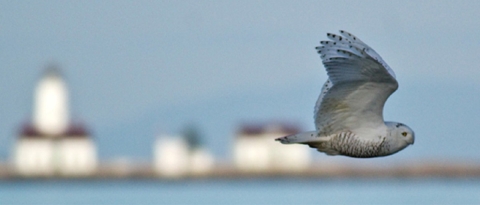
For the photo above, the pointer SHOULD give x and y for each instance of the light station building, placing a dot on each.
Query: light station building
(176, 156)
(51, 144)
(255, 149)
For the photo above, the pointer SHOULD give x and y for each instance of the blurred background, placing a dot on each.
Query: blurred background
(205, 86)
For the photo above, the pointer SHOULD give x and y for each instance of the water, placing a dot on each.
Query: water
(243, 191)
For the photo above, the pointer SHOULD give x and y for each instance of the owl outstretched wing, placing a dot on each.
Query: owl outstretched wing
(359, 84)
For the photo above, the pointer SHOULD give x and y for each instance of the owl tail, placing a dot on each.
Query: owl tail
(301, 138)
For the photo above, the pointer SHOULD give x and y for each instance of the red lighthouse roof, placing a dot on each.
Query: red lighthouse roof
(74, 130)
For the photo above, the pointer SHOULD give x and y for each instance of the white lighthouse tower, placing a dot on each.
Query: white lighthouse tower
(51, 144)
(50, 114)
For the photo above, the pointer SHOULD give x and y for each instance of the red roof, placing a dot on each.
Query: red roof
(260, 128)
(74, 130)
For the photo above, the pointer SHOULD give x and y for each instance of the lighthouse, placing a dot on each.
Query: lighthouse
(51, 143)
(50, 115)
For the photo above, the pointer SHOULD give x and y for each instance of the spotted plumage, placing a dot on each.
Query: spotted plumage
(349, 111)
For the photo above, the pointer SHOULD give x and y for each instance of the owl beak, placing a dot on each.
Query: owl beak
(413, 140)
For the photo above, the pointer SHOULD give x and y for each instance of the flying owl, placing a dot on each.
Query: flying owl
(349, 111)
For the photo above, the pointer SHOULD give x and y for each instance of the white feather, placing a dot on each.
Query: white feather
(325, 88)
(304, 137)
(360, 87)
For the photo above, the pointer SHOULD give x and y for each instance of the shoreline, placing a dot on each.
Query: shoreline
(145, 171)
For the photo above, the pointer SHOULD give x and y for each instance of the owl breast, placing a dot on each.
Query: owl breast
(349, 144)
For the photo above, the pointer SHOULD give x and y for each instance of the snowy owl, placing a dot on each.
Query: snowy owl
(349, 111)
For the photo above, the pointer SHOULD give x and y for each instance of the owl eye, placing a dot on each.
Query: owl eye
(404, 134)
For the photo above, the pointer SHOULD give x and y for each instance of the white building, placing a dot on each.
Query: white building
(171, 157)
(201, 161)
(255, 149)
(34, 156)
(52, 144)
(174, 157)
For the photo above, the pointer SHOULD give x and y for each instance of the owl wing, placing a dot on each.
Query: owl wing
(325, 88)
(359, 84)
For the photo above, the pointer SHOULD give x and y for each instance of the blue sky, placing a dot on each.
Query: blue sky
(136, 69)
